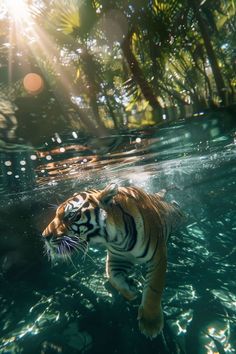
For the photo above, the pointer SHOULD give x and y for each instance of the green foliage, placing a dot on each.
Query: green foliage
(124, 61)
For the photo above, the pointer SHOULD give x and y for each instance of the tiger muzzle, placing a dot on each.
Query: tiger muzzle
(54, 230)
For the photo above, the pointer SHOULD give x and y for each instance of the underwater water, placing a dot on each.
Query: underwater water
(70, 307)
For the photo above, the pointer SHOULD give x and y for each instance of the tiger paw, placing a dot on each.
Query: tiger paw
(150, 325)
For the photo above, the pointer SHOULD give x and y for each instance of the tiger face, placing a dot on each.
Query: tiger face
(78, 221)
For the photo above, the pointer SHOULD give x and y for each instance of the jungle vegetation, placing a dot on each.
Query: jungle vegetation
(114, 64)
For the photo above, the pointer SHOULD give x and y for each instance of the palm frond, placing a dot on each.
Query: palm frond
(66, 16)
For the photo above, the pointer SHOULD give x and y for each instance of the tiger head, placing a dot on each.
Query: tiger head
(79, 220)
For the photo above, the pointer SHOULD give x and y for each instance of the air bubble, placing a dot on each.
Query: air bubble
(17, 176)
(75, 135)
(62, 149)
(22, 163)
(8, 163)
(33, 157)
(9, 173)
(58, 139)
(48, 157)
(138, 140)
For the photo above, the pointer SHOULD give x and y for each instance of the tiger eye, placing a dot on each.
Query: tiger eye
(69, 217)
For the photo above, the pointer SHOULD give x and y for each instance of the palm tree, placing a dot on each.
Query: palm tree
(219, 80)
(139, 76)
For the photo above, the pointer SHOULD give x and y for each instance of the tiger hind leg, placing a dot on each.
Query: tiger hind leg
(117, 271)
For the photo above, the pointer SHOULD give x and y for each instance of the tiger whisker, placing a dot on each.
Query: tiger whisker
(66, 245)
(70, 241)
(45, 251)
(48, 251)
(77, 240)
(85, 250)
(78, 248)
(70, 259)
(69, 247)
(53, 206)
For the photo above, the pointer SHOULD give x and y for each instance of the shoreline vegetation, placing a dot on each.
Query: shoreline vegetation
(105, 66)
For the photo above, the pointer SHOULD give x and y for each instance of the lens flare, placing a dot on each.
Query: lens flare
(33, 83)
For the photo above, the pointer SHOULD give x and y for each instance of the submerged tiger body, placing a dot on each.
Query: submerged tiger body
(134, 227)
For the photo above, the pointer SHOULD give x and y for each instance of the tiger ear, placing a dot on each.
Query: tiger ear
(107, 195)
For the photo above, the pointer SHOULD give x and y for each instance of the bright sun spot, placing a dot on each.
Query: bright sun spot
(17, 9)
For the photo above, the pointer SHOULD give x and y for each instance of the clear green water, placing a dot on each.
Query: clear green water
(70, 308)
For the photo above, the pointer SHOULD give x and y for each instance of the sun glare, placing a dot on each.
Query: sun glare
(18, 10)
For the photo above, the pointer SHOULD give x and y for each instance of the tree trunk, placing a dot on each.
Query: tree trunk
(139, 78)
(111, 111)
(220, 85)
(92, 86)
(208, 88)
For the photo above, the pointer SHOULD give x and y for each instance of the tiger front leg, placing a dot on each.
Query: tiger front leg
(150, 315)
(117, 271)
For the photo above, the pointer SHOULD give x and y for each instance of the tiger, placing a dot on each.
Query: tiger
(134, 227)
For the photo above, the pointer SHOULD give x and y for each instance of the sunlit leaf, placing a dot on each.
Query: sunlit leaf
(142, 105)
(130, 106)
(77, 74)
(66, 16)
(159, 6)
